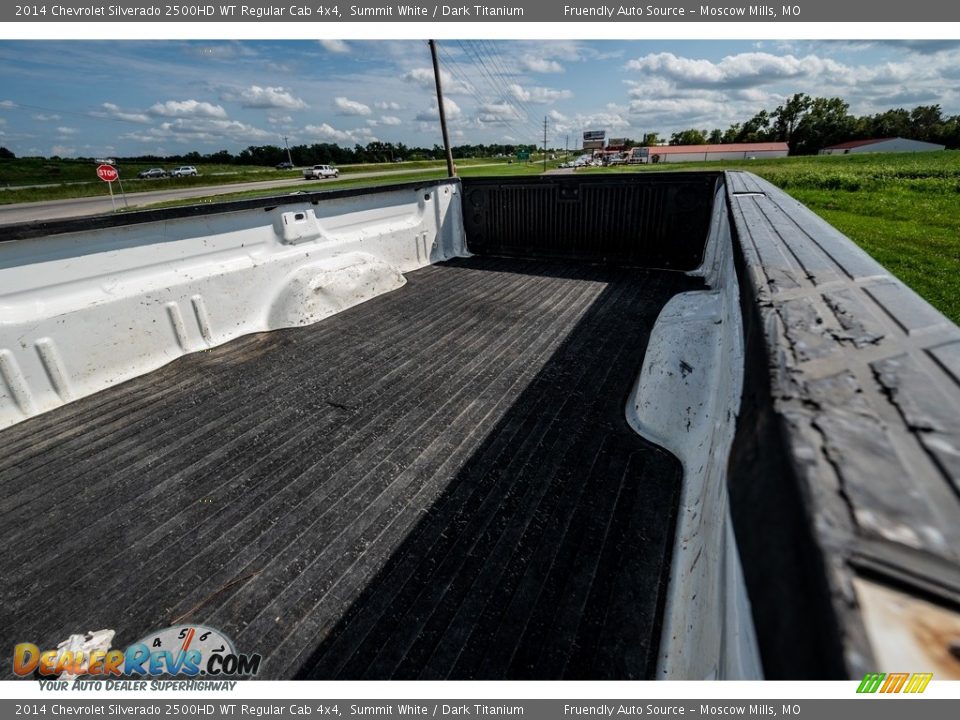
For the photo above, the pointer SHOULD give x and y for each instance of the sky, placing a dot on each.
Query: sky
(125, 98)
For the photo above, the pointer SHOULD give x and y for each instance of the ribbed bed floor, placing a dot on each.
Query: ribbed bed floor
(437, 483)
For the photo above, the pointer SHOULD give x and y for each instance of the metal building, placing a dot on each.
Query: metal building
(694, 153)
(895, 144)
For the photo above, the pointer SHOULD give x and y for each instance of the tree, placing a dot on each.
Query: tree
(927, 122)
(716, 136)
(827, 122)
(789, 115)
(731, 133)
(892, 123)
(689, 137)
(756, 129)
(6, 154)
(221, 157)
(650, 139)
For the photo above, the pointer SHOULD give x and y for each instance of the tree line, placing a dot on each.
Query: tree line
(323, 154)
(810, 124)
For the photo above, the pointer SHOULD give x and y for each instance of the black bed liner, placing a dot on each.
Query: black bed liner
(439, 482)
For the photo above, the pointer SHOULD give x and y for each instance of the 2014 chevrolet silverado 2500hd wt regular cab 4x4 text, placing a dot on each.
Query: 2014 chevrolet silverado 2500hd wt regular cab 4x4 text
(657, 425)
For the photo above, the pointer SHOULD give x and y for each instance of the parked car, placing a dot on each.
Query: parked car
(319, 172)
(285, 165)
(152, 173)
(184, 171)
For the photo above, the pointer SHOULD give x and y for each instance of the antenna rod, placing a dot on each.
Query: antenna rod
(451, 172)
(544, 143)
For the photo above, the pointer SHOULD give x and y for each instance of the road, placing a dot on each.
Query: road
(75, 207)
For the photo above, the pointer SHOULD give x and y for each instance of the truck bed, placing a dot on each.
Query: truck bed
(438, 483)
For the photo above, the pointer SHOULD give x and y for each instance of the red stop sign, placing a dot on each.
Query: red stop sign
(107, 173)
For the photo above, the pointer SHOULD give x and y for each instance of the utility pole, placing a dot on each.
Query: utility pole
(544, 143)
(443, 115)
(289, 159)
(566, 148)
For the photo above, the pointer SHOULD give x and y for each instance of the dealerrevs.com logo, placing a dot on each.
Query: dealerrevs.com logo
(182, 650)
(889, 683)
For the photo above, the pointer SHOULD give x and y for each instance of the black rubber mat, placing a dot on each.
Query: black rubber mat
(437, 483)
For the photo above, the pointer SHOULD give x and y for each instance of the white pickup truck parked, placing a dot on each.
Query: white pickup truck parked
(319, 172)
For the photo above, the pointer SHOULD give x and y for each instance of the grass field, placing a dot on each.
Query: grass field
(37, 180)
(464, 170)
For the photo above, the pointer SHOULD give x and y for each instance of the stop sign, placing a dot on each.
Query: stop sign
(107, 173)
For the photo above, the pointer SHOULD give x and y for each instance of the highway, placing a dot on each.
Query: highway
(76, 207)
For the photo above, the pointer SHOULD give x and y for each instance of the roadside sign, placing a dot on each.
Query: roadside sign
(107, 173)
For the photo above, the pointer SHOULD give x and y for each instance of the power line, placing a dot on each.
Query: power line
(498, 91)
(494, 56)
(459, 71)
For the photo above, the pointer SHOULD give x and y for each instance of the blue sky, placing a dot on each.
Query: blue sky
(94, 98)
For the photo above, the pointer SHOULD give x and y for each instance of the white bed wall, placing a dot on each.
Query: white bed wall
(85, 310)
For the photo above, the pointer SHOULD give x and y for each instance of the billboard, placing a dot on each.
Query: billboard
(594, 135)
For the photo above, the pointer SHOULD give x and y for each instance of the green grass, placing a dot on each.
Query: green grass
(347, 182)
(913, 234)
(37, 180)
(903, 209)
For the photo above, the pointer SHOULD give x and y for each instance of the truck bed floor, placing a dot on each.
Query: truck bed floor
(437, 483)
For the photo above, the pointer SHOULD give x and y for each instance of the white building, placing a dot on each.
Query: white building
(695, 153)
(897, 144)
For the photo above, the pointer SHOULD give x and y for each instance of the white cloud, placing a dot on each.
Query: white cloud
(691, 110)
(187, 108)
(387, 105)
(423, 76)
(66, 130)
(63, 151)
(113, 111)
(46, 118)
(391, 120)
(451, 109)
(557, 116)
(7, 104)
(497, 113)
(270, 97)
(201, 130)
(751, 69)
(328, 133)
(533, 63)
(539, 95)
(603, 121)
(279, 119)
(335, 46)
(345, 106)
